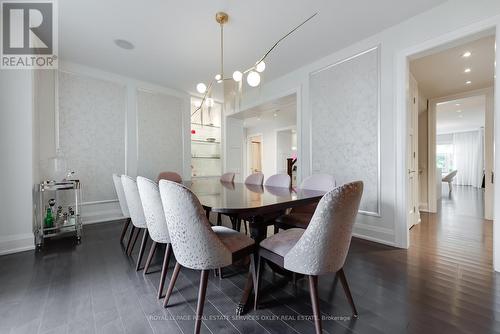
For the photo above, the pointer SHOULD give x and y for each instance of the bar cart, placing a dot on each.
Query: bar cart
(58, 210)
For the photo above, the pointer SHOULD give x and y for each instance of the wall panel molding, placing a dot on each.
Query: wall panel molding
(345, 115)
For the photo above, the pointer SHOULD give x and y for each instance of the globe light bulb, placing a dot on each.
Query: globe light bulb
(260, 67)
(201, 88)
(218, 77)
(253, 79)
(197, 103)
(237, 76)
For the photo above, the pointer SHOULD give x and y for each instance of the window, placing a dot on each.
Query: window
(444, 157)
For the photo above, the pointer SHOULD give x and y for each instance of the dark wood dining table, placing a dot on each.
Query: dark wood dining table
(259, 205)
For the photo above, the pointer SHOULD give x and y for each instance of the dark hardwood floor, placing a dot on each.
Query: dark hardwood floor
(443, 284)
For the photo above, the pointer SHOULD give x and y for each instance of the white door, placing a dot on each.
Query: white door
(412, 149)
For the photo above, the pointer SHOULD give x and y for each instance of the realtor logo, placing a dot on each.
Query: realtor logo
(29, 39)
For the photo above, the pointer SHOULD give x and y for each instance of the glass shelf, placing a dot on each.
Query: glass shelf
(197, 141)
(208, 125)
(205, 157)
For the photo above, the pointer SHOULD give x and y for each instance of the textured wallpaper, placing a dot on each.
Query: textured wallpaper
(345, 113)
(92, 132)
(159, 120)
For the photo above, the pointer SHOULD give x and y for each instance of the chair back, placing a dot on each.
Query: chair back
(171, 176)
(227, 177)
(255, 178)
(121, 195)
(450, 176)
(324, 245)
(195, 244)
(279, 180)
(153, 210)
(133, 201)
(321, 182)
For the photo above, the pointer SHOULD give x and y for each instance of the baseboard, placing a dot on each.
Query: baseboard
(377, 234)
(16, 243)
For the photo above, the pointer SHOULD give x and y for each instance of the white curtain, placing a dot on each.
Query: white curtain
(468, 157)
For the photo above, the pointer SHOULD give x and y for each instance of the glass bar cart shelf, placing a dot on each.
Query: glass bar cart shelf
(66, 197)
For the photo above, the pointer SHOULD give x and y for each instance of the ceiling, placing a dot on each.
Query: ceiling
(460, 115)
(177, 42)
(442, 74)
(278, 111)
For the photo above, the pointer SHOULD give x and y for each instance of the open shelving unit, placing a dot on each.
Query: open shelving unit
(206, 139)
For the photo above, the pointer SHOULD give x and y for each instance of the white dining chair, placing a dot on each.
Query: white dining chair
(134, 205)
(123, 207)
(255, 178)
(448, 178)
(321, 248)
(279, 180)
(195, 243)
(300, 217)
(156, 223)
(227, 177)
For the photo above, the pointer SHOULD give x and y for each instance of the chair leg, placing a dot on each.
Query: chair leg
(450, 186)
(313, 290)
(138, 231)
(124, 230)
(276, 229)
(164, 270)
(219, 219)
(347, 291)
(201, 300)
(142, 249)
(172, 283)
(129, 243)
(246, 226)
(150, 257)
(258, 276)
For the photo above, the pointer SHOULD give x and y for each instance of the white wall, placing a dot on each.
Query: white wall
(16, 162)
(390, 227)
(268, 130)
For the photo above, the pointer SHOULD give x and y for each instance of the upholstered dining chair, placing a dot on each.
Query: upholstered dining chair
(134, 205)
(321, 248)
(123, 206)
(171, 176)
(227, 177)
(156, 223)
(301, 216)
(279, 180)
(255, 178)
(195, 243)
(448, 178)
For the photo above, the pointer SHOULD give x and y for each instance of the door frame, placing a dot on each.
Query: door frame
(286, 128)
(432, 178)
(402, 58)
(248, 145)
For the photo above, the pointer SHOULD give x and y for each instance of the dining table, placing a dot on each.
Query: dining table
(257, 204)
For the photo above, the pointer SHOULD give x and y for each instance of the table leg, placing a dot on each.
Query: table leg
(258, 231)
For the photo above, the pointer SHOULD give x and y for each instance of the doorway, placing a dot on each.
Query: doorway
(450, 159)
(255, 154)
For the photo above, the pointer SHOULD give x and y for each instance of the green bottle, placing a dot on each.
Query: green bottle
(49, 220)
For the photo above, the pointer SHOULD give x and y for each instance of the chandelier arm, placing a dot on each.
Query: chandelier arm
(209, 89)
(285, 36)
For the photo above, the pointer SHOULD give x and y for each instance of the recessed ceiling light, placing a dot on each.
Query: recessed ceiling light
(467, 70)
(460, 116)
(468, 82)
(124, 44)
(467, 54)
(458, 104)
(459, 110)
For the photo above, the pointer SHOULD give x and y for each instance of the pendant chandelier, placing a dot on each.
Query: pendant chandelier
(252, 73)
